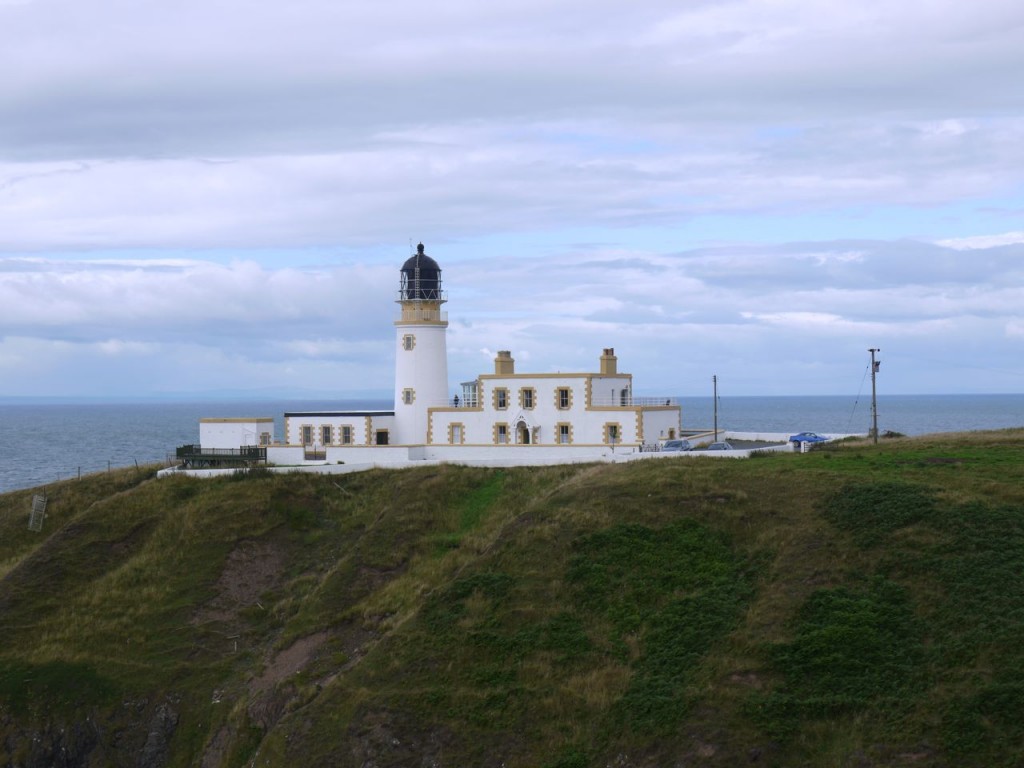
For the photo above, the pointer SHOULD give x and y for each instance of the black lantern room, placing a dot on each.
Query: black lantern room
(421, 278)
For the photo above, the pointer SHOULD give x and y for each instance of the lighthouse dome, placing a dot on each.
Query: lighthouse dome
(421, 278)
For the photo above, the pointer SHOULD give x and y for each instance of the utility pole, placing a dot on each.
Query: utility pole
(875, 365)
(714, 382)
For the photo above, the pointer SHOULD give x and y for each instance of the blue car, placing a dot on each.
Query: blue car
(807, 437)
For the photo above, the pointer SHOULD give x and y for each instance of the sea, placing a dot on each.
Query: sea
(41, 443)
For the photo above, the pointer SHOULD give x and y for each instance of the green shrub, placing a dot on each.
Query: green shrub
(679, 589)
(870, 512)
(852, 649)
(52, 685)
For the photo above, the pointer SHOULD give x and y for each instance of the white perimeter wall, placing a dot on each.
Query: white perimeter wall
(294, 455)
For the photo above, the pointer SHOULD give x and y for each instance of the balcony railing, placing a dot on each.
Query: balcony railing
(599, 402)
(197, 455)
(633, 402)
(418, 293)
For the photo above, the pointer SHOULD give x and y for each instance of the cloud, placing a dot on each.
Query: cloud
(198, 125)
(983, 241)
(674, 318)
(181, 300)
(194, 192)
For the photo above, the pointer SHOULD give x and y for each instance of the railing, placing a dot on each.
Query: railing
(198, 456)
(633, 402)
(416, 293)
(458, 401)
(253, 452)
(599, 402)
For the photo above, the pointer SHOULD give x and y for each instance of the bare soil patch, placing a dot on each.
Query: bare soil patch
(252, 569)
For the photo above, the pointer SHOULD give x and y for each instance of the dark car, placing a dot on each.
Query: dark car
(807, 437)
(676, 445)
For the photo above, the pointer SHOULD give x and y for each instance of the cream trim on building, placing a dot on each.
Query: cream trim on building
(563, 428)
(609, 426)
(538, 376)
(499, 426)
(498, 395)
(559, 399)
(523, 392)
(456, 425)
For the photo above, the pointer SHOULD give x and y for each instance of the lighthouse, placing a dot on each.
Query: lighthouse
(549, 415)
(421, 351)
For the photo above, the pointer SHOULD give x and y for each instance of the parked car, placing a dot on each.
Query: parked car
(719, 446)
(807, 437)
(676, 445)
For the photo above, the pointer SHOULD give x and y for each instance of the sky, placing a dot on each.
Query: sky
(213, 196)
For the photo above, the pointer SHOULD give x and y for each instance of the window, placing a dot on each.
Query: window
(611, 434)
(325, 434)
(526, 397)
(564, 434)
(455, 434)
(382, 437)
(501, 398)
(408, 395)
(408, 342)
(563, 398)
(501, 434)
(346, 435)
(264, 438)
(307, 434)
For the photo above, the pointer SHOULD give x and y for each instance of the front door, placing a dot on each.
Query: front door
(524, 434)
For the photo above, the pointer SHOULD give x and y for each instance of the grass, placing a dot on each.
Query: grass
(856, 603)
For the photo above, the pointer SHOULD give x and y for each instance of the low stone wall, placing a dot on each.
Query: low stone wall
(343, 460)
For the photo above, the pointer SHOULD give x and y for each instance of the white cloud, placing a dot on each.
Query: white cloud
(982, 241)
(222, 187)
(175, 299)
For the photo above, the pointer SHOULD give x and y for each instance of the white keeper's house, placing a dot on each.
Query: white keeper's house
(551, 415)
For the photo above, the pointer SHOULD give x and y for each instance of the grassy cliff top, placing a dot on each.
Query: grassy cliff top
(858, 605)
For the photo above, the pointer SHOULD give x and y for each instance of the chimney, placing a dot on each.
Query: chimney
(504, 365)
(609, 363)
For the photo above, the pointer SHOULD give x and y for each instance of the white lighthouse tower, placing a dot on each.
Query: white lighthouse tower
(421, 351)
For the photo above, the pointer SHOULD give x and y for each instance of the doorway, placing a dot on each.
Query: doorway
(523, 433)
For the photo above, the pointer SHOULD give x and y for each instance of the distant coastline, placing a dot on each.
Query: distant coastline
(47, 439)
(382, 397)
